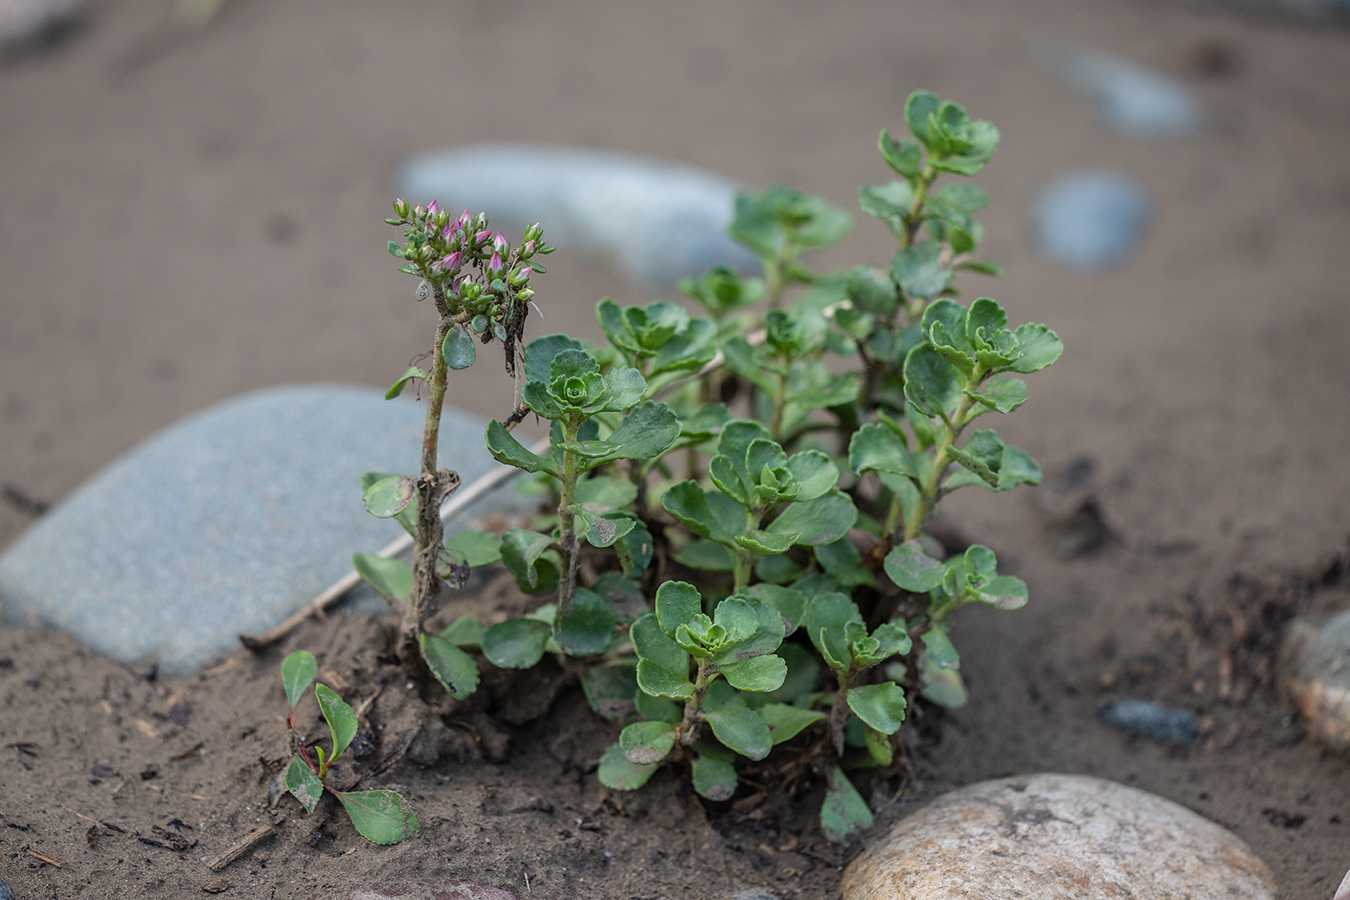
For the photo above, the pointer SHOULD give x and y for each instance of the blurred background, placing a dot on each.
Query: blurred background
(192, 195)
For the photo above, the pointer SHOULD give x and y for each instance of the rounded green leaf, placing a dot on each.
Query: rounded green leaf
(819, 521)
(393, 578)
(647, 742)
(939, 650)
(844, 812)
(740, 729)
(921, 270)
(390, 496)
(303, 784)
(297, 673)
(397, 387)
(1040, 347)
(912, 569)
(766, 543)
(881, 706)
(815, 472)
(479, 548)
(588, 627)
(506, 449)
(677, 602)
(610, 690)
(758, 673)
(339, 716)
(453, 668)
(619, 773)
(713, 778)
(466, 631)
(790, 604)
(786, 722)
(876, 447)
(382, 817)
(904, 156)
(457, 348)
(930, 383)
(1004, 592)
(516, 643)
(520, 550)
(944, 687)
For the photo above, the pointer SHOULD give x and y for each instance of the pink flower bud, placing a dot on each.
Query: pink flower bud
(449, 262)
(498, 242)
(481, 236)
(495, 264)
(432, 207)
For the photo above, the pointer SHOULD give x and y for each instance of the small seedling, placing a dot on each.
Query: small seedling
(381, 816)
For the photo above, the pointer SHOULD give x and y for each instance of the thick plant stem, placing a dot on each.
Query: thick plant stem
(839, 711)
(692, 722)
(928, 491)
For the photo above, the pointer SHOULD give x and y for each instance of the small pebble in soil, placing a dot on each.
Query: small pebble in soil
(225, 522)
(1315, 672)
(1133, 99)
(658, 220)
(1146, 719)
(1051, 837)
(1089, 220)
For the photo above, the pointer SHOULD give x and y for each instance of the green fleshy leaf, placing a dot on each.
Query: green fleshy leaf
(889, 639)
(521, 549)
(397, 387)
(790, 604)
(759, 673)
(944, 687)
(339, 716)
(516, 643)
(827, 618)
(939, 650)
(382, 817)
(911, 568)
(453, 668)
(741, 729)
(886, 201)
(786, 722)
(689, 503)
(723, 474)
(918, 107)
(601, 495)
(647, 742)
(706, 556)
(1040, 347)
(506, 449)
(766, 543)
(539, 354)
(734, 443)
(844, 812)
(677, 603)
(844, 563)
(478, 548)
(921, 271)
(466, 631)
(624, 387)
(930, 383)
(815, 472)
(881, 706)
(803, 674)
(588, 627)
(458, 348)
(635, 550)
(618, 773)
(604, 530)
(393, 578)
(982, 455)
(904, 156)
(819, 521)
(660, 682)
(964, 196)
(303, 784)
(879, 748)
(876, 447)
(982, 266)
(871, 290)
(657, 709)
(610, 316)
(1002, 394)
(752, 629)
(692, 348)
(390, 496)
(610, 690)
(646, 432)
(297, 673)
(741, 358)
(713, 778)
(666, 669)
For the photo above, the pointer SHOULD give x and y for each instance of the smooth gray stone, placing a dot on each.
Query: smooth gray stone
(1146, 719)
(1089, 220)
(5, 893)
(659, 221)
(1311, 11)
(226, 522)
(1131, 98)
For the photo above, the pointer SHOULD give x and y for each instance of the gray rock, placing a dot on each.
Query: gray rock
(1342, 892)
(752, 894)
(1146, 719)
(1089, 220)
(1056, 837)
(30, 25)
(226, 522)
(1131, 98)
(1314, 664)
(657, 220)
(5, 893)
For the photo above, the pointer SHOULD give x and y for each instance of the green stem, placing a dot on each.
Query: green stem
(779, 401)
(693, 708)
(949, 432)
(839, 711)
(913, 220)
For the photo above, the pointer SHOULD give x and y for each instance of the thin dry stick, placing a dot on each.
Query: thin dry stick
(343, 586)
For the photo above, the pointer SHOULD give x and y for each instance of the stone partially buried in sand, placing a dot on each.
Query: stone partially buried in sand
(1315, 671)
(1056, 837)
(226, 522)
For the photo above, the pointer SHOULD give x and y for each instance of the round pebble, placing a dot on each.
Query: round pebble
(1089, 220)
(1315, 671)
(1056, 837)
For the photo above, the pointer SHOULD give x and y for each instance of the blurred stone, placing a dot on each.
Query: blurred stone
(1342, 892)
(1146, 719)
(657, 220)
(1315, 671)
(226, 522)
(1089, 220)
(1056, 837)
(28, 25)
(5, 893)
(1131, 98)
(1327, 12)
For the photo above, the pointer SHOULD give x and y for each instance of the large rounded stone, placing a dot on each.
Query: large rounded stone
(1315, 671)
(1056, 837)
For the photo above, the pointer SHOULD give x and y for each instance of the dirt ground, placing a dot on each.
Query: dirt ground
(187, 214)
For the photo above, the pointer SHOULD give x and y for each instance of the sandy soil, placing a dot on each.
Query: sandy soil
(187, 215)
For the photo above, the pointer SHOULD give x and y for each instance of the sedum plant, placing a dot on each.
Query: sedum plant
(735, 553)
